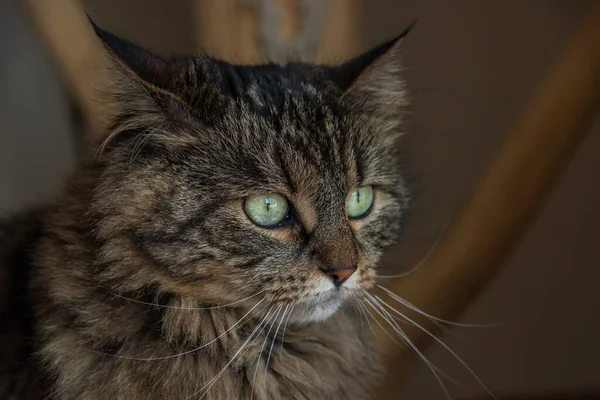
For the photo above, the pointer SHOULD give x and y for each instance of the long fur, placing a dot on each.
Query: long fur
(135, 284)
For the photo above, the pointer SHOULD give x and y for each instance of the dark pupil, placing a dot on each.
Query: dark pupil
(268, 203)
(357, 196)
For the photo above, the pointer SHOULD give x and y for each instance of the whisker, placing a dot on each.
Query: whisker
(444, 345)
(105, 143)
(140, 140)
(273, 341)
(406, 340)
(398, 331)
(380, 326)
(186, 308)
(262, 349)
(423, 259)
(358, 311)
(285, 326)
(412, 347)
(362, 308)
(192, 350)
(223, 370)
(443, 327)
(416, 309)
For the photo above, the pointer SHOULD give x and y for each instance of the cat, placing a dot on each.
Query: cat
(219, 244)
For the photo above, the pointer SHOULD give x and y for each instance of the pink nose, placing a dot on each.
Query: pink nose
(339, 276)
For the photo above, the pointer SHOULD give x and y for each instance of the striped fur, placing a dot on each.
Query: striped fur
(153, 229)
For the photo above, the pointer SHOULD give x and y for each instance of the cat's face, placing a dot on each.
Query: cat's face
(278, 183)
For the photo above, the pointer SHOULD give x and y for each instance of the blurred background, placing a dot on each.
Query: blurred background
(471, 66)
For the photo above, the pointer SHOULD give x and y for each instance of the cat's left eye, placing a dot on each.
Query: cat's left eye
(360, 202)
(267, 210)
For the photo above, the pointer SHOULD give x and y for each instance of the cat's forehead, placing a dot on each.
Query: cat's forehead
(272, 88)
(286, 126)
(302, 145)
(289, 105)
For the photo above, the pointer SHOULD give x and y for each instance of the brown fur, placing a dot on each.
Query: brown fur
(147, 279)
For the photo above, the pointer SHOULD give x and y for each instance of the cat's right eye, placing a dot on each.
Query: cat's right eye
(266, 210)
(360, 202)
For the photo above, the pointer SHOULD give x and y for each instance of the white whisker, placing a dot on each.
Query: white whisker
(380, 326)
(406, 340)
(186, 308)
(364, 312)
(355, 305)
(423, 259)
(258, 357)
(273, 341)
(194, 349)
(444, 345)
(447, 330)
(140, 141)
(416, 309)
(284, 327)
(223, 370)
(443, 327)
(412, 347)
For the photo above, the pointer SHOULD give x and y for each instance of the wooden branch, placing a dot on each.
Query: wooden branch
(64, 29)
(507, 200)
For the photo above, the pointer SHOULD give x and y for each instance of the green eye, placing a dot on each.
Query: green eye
(266, 210)
(360, 202)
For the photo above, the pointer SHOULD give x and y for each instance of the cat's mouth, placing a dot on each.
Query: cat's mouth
(315, 303)
(317, 309)
(321, 304)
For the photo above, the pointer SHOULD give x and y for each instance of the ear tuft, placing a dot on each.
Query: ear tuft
(134, 59)
(373, 79)
(345, 75)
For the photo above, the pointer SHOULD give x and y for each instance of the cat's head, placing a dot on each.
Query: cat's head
(279, 183)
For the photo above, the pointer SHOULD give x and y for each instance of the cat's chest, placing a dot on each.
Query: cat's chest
(327, 364)
(335, 359)
(269, 369)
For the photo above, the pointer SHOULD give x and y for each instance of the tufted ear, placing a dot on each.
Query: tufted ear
(373, 78)
(150, 90)
(149, 94)
(136, 61)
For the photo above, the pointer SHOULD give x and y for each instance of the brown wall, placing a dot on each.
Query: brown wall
(481, 61)
(471, 65)
(35, 137)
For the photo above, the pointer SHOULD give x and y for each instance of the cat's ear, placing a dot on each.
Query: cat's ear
(175, 85)
(373, 78)
(146, 96)
(139, 63)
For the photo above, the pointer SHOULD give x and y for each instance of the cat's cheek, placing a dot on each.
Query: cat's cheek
(366, 278)
(284, 234)
(352, 283)
(321, 286)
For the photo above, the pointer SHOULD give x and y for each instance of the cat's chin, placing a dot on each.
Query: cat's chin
(316, 311)
(325, 301)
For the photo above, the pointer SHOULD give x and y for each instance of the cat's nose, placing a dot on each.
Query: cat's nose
(337, 253)
(339, 275)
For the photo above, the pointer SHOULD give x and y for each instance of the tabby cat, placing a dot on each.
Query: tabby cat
(218, 244)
